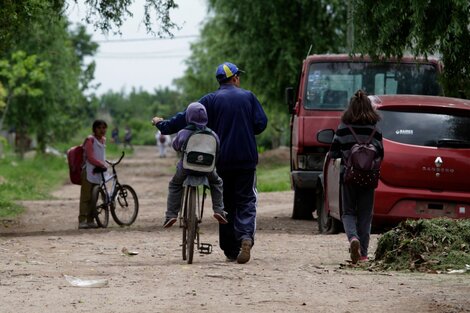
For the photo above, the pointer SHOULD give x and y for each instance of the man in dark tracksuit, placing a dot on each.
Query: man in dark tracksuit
(236, 115)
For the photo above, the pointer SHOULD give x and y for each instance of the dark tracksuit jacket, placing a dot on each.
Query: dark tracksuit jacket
(236, 115)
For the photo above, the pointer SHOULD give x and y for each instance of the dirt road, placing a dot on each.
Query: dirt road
(293, 268)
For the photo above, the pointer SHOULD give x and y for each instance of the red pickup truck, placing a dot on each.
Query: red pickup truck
(325, 86)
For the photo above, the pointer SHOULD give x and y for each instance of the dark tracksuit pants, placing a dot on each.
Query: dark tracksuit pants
(358, 205)
(240, 201)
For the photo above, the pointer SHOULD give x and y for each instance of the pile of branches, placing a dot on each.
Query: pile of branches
(431, 245)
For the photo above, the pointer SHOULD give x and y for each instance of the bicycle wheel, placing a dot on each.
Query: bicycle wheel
(185, 231)
(124, 210)
(184, 209)
(192, 223)
(100, 206)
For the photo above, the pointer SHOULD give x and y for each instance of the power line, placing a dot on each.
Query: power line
(139, 57)
(144, 39)
(137, 53)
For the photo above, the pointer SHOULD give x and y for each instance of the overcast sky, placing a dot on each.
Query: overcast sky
(124, 62)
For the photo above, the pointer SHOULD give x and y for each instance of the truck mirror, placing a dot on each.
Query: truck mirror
(289, 94)
(325, 136)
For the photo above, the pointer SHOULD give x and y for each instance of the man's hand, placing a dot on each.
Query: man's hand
(156, 119)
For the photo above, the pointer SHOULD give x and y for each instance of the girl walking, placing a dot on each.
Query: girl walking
(358, 202)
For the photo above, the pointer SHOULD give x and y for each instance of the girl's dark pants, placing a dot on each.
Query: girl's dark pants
(358, 204)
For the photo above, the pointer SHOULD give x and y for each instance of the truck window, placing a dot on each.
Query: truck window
(331, 85)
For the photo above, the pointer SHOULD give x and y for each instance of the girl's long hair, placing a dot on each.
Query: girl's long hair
(360, 111)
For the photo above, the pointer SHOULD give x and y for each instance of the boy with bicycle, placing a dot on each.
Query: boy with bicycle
(94, 156)
(196, 118)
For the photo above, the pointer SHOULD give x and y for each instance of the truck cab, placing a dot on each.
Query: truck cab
(326, 83)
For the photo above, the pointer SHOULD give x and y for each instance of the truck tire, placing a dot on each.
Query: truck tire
(304, 204)
(326, 223)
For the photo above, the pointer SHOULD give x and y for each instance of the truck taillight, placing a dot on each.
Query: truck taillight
(311, 161)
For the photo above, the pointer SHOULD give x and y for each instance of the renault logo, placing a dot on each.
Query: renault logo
(438, 169)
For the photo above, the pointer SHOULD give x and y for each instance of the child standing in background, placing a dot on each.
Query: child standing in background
(94, 156)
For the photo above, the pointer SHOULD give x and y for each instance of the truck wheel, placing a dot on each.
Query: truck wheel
(326, 223)
(304, 204)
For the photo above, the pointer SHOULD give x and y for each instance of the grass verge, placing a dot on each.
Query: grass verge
(273, 177)
(29, 179)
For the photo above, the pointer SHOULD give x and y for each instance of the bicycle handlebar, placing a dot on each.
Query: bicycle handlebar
(117, 162)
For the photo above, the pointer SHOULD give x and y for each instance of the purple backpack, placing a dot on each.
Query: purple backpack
(362, 164)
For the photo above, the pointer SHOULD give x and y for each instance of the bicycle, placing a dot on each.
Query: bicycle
(121, 200)
(191, 216)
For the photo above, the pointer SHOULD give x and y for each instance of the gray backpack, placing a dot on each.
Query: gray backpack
(362, 164)
(200, 150)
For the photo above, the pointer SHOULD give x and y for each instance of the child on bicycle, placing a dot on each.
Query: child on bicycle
(94, 156)
(197, 117)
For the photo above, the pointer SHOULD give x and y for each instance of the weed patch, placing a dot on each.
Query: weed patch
(9, 209)
(429, 245)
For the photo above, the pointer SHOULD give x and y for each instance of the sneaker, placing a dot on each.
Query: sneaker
(169, 221)
(83, 225)
(363, 259)
(354, 250)
(221, 217)
(244, 255)
(92, 225)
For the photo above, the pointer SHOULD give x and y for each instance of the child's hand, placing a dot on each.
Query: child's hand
(336, 164)
(156, 119)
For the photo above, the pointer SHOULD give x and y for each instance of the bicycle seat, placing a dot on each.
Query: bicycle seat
(99, 170)
(192, 180)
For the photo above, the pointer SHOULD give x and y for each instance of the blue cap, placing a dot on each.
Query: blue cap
(226, 70)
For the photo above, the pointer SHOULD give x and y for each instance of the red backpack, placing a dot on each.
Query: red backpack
(75, 159)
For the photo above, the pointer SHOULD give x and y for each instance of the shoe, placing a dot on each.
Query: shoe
(363, 259)
(169, 221)
(354, 250)
(92, 225)
(83, 225)
(221, 217)
(244, 255)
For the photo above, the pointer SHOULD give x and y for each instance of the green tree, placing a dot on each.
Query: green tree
(84, 47)
(419, 27)
(3, 96)
(60, 109)
(16, 14)
(40, 28)
(106, 15)
(268, 39)
(22, 75)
